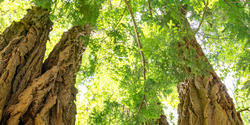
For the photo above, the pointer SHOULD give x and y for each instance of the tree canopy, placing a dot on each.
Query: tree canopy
(111, 85)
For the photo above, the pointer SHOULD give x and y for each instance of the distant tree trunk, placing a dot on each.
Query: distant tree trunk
(33, 92)
(203, 97)
(162, 120)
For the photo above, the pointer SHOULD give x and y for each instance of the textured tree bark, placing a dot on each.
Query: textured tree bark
(203, 97)
(22, 48)
(63, 64)
(33, 92)
(49, 99)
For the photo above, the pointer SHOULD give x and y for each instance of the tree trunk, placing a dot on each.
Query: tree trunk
(22, 48)
(60, 74)
(33, 93)
(203, 97)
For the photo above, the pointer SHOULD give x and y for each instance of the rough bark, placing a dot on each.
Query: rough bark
(33, 92)
(22, 48)
(49, 99)
(203, 97)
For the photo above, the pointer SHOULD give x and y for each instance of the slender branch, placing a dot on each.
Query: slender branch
(245, 109)
(203, 17)
(118, 22)
(138, 40)
(149, 7)
(142, 102)
(140, 49)
(227, 3)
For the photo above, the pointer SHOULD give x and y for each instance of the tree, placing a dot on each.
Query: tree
(37, 92)
(21, 49)
(203, 97)
(27, 82)
(172, 55)
(133, 61)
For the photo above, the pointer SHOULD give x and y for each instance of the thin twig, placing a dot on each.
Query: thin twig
(118, 22)
(245, 109)
(140, 49)
(149, 7)
(227, 3)
(142, 102)
(203, 17)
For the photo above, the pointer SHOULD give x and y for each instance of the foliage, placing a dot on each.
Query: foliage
(110, 82)
(12, 11)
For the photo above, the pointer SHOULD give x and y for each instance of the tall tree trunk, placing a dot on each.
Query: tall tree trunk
(33, 93)
(22, 48)
(203, 97)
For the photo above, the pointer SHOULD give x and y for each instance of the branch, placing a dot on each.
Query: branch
(118, 22)
(138, 40)
(141, 104)
(203, 17)
(140, 49)
(149, 7)
(245, 109)
(227, 3)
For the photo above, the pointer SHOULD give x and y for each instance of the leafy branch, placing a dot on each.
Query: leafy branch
(140, 49)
